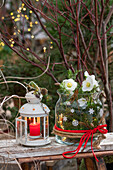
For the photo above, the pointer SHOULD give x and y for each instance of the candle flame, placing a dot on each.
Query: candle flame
(29, 118)
(34, 121)
(38, 120)
(26, 118)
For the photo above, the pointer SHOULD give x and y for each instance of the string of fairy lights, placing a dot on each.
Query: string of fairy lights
(21, 13)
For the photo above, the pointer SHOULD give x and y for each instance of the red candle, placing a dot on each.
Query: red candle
(34, 129)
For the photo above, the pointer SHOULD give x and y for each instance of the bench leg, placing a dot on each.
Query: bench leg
(92, 164)
(30, 166)
(101, 164)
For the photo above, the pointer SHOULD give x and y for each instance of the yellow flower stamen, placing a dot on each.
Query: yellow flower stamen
(87, 84)
(69, 85)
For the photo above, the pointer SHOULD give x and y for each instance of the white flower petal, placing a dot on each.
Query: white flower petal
(82, 102)
(86, 74)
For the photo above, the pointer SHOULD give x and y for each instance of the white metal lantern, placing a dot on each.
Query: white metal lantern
(32, 127)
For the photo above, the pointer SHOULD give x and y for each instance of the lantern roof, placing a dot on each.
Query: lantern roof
(30, 109)
(34, 107)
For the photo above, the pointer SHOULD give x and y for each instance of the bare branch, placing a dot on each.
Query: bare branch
(109, 15)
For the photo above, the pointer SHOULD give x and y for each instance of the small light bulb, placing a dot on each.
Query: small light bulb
(44, 48)
(32, 36)
(24, 9)
(29, 29)
(36, 22)
(11, 13)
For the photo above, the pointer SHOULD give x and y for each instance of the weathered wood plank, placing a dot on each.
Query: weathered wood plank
(9, 148)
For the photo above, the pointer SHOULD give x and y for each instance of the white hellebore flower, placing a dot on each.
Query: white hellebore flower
(64, 118)
(88, 84)
(82, 101)
(75, 122)
(70, 84)
(91, 110)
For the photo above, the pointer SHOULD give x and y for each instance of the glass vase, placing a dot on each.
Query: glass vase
(77, 112)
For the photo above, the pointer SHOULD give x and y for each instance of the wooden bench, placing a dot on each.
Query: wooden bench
(10, 151)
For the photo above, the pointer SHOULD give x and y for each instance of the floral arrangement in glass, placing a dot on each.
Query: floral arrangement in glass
(79, 107)
(79, 113)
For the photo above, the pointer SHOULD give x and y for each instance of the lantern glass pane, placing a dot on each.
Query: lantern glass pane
(44, 122)
(21, 130)
(47, 126)
(41, 126)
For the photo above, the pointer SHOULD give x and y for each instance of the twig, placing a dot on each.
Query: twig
(17, 83)
(4, 78)
(3, 2)
(15, 160)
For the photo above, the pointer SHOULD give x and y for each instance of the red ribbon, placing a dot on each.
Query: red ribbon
(87, 134)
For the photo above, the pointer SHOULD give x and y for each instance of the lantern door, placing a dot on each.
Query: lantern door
(21, 130)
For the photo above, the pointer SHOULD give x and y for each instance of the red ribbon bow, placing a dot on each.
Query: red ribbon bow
(84, 138)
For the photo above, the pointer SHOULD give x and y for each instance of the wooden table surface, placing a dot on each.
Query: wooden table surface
(9, 150)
